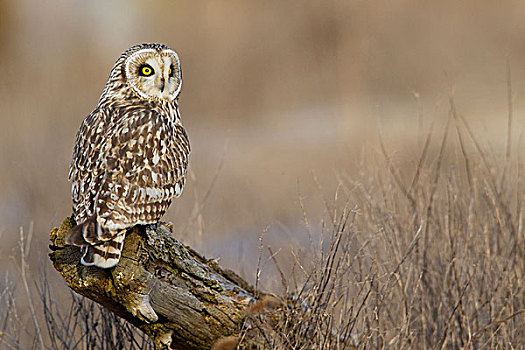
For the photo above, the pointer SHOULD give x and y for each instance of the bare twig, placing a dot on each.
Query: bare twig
(24, 251)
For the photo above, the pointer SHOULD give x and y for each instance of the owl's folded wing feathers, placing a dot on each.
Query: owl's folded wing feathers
(127, 175)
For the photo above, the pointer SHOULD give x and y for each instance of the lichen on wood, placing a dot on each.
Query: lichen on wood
(169, 291)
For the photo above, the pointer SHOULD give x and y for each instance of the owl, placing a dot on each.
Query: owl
(130, 155)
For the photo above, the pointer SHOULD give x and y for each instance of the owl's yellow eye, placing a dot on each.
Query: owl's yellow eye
(146, 70)
(170, 72)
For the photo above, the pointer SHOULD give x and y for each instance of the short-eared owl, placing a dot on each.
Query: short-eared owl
(131, 153)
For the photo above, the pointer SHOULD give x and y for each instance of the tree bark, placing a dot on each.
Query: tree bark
(169, 291)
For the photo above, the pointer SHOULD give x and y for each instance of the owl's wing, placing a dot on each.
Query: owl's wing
(123, 164)
(145, 160)
(85, 172)
(125, 171)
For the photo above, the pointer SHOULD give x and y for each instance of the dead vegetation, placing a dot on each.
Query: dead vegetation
(424, 257)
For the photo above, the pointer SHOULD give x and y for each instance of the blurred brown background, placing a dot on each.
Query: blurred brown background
(278, 98)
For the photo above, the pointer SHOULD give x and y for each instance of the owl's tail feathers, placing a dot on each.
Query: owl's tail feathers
(85, 233)
(104, 254)
(76, 235)
(99, 247)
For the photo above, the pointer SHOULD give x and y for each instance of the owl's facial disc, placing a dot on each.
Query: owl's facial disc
(154, 74)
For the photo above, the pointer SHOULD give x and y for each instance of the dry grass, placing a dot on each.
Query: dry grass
(87, 325)
(423, 257)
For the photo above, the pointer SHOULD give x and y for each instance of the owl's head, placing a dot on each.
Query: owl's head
(151, 70)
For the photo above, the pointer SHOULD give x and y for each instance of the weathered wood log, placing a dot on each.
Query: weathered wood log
(169, 291)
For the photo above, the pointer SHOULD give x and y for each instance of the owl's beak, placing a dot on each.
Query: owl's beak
(162, 84)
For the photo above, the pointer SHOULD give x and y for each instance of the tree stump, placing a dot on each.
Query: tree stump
(176, 296)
